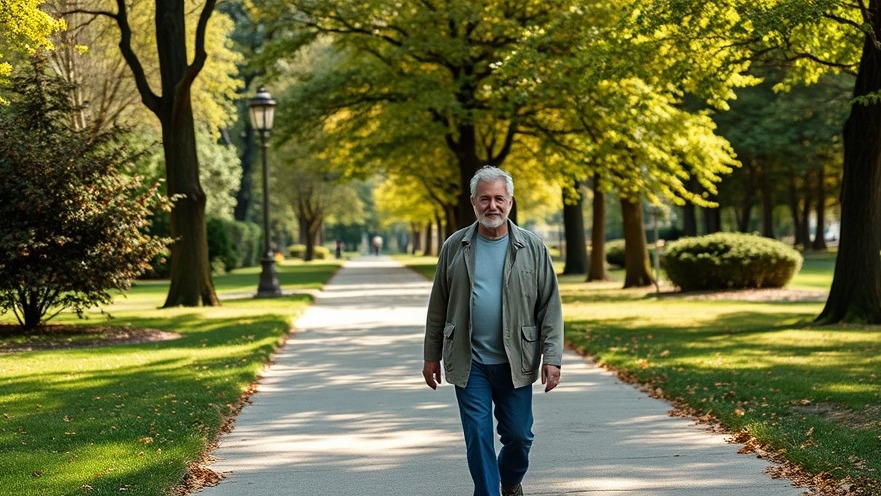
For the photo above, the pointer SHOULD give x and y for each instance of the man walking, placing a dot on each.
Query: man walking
(495, 320)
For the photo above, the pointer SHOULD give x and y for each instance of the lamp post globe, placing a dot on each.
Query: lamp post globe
(262, 112)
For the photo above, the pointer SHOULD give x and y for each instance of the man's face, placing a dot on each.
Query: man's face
(491, 203)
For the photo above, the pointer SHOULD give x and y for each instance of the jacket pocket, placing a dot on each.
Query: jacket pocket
(529, 343)
(449, 331)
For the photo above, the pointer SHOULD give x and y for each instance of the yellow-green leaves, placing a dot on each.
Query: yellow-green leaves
(24, 28)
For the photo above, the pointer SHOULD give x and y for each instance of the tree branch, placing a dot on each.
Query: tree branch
(200, 55)
(506, 147)
(150, 99)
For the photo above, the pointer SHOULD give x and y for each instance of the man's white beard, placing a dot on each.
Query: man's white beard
(492, 224)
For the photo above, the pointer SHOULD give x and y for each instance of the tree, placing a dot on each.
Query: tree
(789, 145)
(87, 55)
(421, 65)
(486, 78)
(24, 28)
(74, 224)
(402, 199)
(306, 183)
(191, 283)
(573, 222)
(855, 295)
(597, 271)
(816, 37)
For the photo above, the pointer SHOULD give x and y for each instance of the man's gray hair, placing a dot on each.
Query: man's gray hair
(488, 174)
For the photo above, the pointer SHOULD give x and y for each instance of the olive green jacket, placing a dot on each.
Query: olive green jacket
(532, 317)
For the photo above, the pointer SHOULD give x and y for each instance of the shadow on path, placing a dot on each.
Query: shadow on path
(344, 411)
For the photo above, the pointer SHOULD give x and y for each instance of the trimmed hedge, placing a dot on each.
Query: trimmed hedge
(615, 252)
(730, 261)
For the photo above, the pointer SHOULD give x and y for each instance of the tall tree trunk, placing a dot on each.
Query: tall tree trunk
(313, 230)
(712, 220)
(573, 225)
(302, 229)
(637, 265)
(597, 270)
(819, 243)
(450, 224)
(767, 211)
(442, 229)
(794, 209)
(429, 234)
(416, 236)
(805, 225)
(689, 215)
(855, 295)
(465, 149)
(748, 199)
(689, 220)
(191, 283)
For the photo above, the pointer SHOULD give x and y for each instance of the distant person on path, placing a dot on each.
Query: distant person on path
(377, 244)
(494, 316)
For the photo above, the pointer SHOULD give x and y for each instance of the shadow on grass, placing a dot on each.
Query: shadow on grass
(130, 417)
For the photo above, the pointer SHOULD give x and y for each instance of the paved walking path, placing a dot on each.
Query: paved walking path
(344, 412)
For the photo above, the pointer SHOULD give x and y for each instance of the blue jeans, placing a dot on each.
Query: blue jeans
(488, 385)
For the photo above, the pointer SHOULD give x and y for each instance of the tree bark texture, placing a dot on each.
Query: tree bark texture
(855, 295)
(573, 225)
(191, 283)
(637, 265)
(597, 270)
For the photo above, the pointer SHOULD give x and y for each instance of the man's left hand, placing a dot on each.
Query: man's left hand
(550, 376)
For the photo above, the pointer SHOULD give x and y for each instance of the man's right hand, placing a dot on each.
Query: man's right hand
(431, 371)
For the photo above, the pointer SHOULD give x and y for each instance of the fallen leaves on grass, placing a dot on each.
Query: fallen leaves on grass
(56, 337)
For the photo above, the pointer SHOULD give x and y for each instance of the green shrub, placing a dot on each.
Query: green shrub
(615, 252)
(247, 241)
(322, 253)
(73, 218)
(730, 260)
(221, 254)
(299, 251)
(296, 251)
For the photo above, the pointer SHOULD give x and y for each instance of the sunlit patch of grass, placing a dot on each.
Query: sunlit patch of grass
(106, 419)
(816, 272)
(754, 366)
(421, 264)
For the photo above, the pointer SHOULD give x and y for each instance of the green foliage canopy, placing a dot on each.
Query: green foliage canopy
(591, 85)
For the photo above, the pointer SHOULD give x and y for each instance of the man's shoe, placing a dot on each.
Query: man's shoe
(512, 490)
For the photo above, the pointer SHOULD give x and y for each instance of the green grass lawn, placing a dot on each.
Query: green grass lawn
(110, 419)
(810, 394)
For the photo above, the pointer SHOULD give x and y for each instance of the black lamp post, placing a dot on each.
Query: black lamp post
(262, 109)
